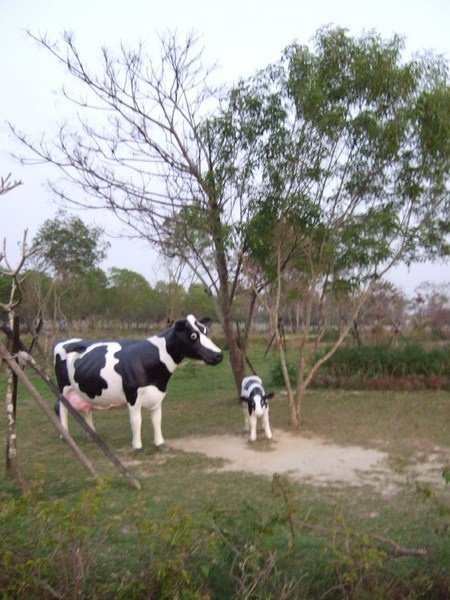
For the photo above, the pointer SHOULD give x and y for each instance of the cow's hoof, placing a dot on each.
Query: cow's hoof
(138, 450)
(162, 448)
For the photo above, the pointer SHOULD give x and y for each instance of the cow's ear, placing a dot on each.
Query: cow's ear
(206, 321)
(243, 399)
(79, 346)
(180, 325)
(269, 395)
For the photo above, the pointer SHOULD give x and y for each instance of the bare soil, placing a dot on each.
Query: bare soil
(312, 460)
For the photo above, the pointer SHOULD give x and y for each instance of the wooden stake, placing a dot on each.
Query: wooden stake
(93, 434)
(15, 368)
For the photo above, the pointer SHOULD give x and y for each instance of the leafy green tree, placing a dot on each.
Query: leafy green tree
(354, 164)
(172, 295)
(86, 295)
(67, 246)
(198, 301)
(131, 297)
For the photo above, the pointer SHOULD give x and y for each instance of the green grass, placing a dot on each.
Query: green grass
(165, 537)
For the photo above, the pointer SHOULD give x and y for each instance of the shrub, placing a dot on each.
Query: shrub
(376, 361)
(276, 375)
(378, 368)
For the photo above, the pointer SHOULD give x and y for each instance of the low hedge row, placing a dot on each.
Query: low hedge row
(380, 367)
(377, 361)
(383, 382)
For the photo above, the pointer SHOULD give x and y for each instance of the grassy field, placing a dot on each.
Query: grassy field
(193, 532)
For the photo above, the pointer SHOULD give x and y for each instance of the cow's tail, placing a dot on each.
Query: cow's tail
(56, 407)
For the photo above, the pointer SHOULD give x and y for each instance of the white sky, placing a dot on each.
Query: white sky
(241, 36)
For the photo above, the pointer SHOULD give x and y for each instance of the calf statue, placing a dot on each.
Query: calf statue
(100, 374)
(254, 398)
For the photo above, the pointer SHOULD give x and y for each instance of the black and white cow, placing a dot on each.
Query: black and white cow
(254, 397)
(100, 374)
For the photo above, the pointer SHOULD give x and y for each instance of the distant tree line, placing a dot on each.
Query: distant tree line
(65, 284)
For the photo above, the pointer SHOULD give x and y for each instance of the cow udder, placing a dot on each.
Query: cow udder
(82, 405)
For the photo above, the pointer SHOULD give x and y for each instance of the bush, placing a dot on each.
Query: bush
(377, 361)
(378, 367)
(276, 375)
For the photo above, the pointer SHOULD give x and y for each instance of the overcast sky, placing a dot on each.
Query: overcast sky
(241, 36)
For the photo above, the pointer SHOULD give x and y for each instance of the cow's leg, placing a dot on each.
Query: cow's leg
(88, 417)
(266, 425)
(156, 416)
(253, 421)
(63, 416)
(136, 422)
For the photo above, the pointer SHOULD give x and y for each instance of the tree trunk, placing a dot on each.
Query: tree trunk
(13, 468)
(237, 359)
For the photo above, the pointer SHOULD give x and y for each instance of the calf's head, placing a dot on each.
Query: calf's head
(257, 402)
(189, 339)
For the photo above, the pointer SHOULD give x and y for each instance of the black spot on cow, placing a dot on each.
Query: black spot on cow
(62, 376)
(87, 372)
(138, 366)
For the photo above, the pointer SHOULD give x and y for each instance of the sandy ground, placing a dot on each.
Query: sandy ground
(312, 460)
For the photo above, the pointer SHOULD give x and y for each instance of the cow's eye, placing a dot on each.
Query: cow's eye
(193, 336)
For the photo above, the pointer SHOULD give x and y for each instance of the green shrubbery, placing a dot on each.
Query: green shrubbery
(380, 367)
(374, 361)
(65, 549)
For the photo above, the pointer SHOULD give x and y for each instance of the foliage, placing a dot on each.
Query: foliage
(68, 246)
(130, 297)
(372, 361)
(344, 169)
(350, 181)
(198, 301)
(51, 548)
(352, 367)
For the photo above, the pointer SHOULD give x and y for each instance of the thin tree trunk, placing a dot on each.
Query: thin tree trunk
(13, 468)
(237, 359)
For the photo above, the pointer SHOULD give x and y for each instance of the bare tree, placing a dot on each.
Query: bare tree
(9, 306)
(431, 309)
(145, 148)
(6, 185)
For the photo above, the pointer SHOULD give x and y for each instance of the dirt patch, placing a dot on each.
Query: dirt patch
(312, 460)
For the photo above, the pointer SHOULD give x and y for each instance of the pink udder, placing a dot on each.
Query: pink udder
(82, 405)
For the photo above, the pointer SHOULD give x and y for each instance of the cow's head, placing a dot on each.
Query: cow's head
(257, 401)
(190, 340)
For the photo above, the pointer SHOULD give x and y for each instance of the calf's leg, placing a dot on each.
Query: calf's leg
(266, 425)
(252, 421)
(246, 418)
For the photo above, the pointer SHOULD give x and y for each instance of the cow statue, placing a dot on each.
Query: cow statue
(104, 374)
(254, 398)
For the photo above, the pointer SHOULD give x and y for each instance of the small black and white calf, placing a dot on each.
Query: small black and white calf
(254, 398)
(101, 374)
